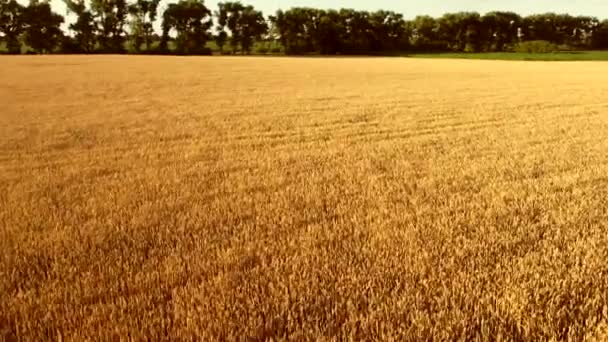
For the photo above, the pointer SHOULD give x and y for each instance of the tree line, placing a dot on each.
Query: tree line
(188, 26)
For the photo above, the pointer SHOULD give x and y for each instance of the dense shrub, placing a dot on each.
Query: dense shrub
(204, 51)
(536, 46)
(69, 46)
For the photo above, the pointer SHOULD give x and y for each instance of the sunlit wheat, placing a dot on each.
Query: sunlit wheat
(302, 198)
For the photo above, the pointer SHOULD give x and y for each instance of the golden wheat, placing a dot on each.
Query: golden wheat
(302, 198)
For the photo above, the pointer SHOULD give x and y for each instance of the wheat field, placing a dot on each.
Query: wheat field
(219, 198)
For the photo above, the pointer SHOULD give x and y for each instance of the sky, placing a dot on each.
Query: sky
(412, 8)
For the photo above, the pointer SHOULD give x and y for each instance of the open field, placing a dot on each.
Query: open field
(517, 56)
(303, 198)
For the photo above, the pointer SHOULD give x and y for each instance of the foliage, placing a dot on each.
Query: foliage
(463, 31)
(110, 17)
(306, 30)
(12, 24)
(100, 26)
(143, 14)
(220, 40)
(191, 21)
(424, 34)
(500, 29)
(535, 46)
(244, 22)
(42, 27)
(558, 56)
(84, 27)
(599, 39)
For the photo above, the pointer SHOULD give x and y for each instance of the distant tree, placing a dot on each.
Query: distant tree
(226, 19)
(388, 31)
(425, 33)
(462, 31)
(42, 27)
(110, 17)
(599, 38)
(582, 31)
(330, 33)
(295, 29)
(143, 14)
(501, 29)
(253, 26)
(220, 39)
(100, 25)
(191, 21)
(358, 30)
(11, 24)
(541, 27)
(303, 30)
(272, 36)
(83, 27)
(245, 23)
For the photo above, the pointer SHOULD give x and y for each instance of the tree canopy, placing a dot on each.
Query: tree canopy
(42, 27)
(112, 26)
(245, 23)
(143, 14)
(12, 24)
(190, 20)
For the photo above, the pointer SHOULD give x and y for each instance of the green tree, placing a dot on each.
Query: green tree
(330, 33)
(191, 21)
(462, 31)
(220, 39)
(296, 29)
(245, 23)
(11, 24)
(501, 29)
(84, 26)
(599, 38)
(358, 31)
(110, 18)
(582, 34)
(388, 32)
(143, 15)
(425, 34)
(42, 27)
(252, 26)
(304, 30)
(227, 17)
(541, 27)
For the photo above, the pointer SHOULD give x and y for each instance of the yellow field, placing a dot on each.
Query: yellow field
(302, 198)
